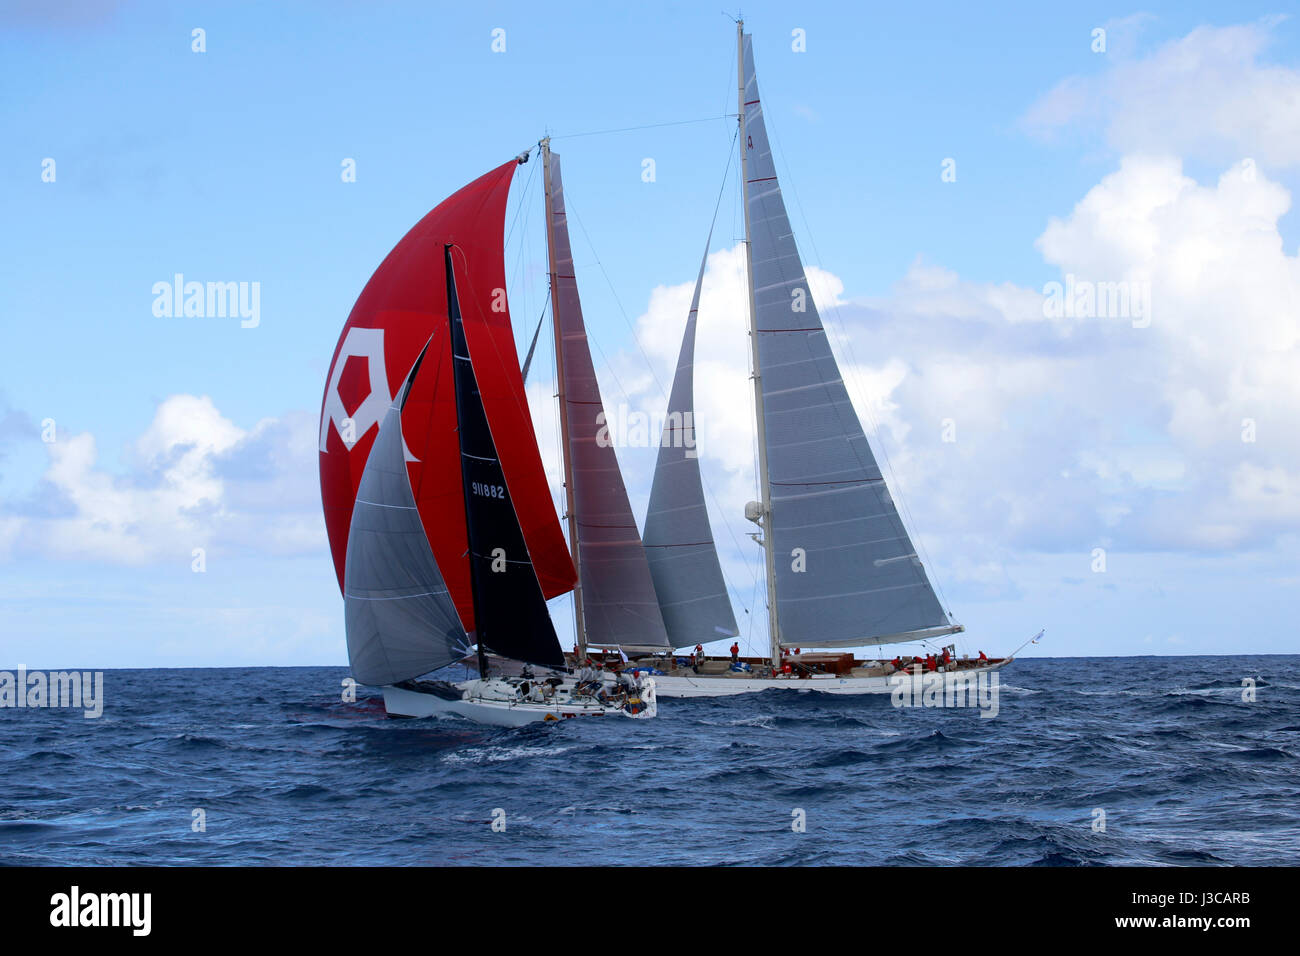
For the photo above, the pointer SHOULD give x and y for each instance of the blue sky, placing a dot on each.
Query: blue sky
(174, 433)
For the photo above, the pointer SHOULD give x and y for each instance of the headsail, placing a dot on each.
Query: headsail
(401, 621)
(678, 540)
(618, 600)
(397, 313)
(509, 609)
(846, 571)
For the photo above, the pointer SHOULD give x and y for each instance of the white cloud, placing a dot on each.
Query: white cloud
(1208, 93)
(196, 480)
(1071, 432)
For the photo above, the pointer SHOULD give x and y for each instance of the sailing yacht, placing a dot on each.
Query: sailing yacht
(840, 568)
(426, 505)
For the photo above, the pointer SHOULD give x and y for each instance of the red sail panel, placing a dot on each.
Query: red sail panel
(403, 307)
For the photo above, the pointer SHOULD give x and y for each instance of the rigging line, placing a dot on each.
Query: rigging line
(905, 516)
(635, 338)
(520, 278)
(749, 636)
(522, 202)
(630, 129)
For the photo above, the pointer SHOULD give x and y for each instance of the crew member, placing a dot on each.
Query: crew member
(735, 652)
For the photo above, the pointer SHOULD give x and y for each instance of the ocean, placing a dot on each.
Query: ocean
(1113, 761)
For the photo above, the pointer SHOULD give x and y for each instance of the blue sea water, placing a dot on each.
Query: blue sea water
(287, 773)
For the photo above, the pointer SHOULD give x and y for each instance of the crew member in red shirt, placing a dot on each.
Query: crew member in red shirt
(735, 652)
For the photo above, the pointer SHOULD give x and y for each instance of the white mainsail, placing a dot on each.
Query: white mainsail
(678, 540)
(400, 619)
(846, 572)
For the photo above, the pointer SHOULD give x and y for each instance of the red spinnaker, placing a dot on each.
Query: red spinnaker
(404, 306)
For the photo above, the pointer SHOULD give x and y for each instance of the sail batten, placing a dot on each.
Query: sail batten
(842, 578)
(618, 603)
(678, 538)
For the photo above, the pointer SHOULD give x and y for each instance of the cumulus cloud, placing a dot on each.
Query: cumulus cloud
(193, 479)
(1210, 93)
(1071, 431)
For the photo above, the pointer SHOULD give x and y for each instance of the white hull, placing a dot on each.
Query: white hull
(726, 685)
(498, 703)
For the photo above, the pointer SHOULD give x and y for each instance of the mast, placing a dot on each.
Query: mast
(858, 579)
(579, 623)
(765, 489)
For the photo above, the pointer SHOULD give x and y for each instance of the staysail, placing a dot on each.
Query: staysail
(398, 312)
(617, 593)
(846, 571)
(400, 618)
(509, 608)
(678, 539)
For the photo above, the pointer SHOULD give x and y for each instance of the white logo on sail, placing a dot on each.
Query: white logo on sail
(367, 344)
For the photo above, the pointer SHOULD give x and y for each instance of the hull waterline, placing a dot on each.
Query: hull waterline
(497, 703)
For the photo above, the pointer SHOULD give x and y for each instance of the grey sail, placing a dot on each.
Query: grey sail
(401, 621)
(619, 605)
(678, 539)
(846, 571)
